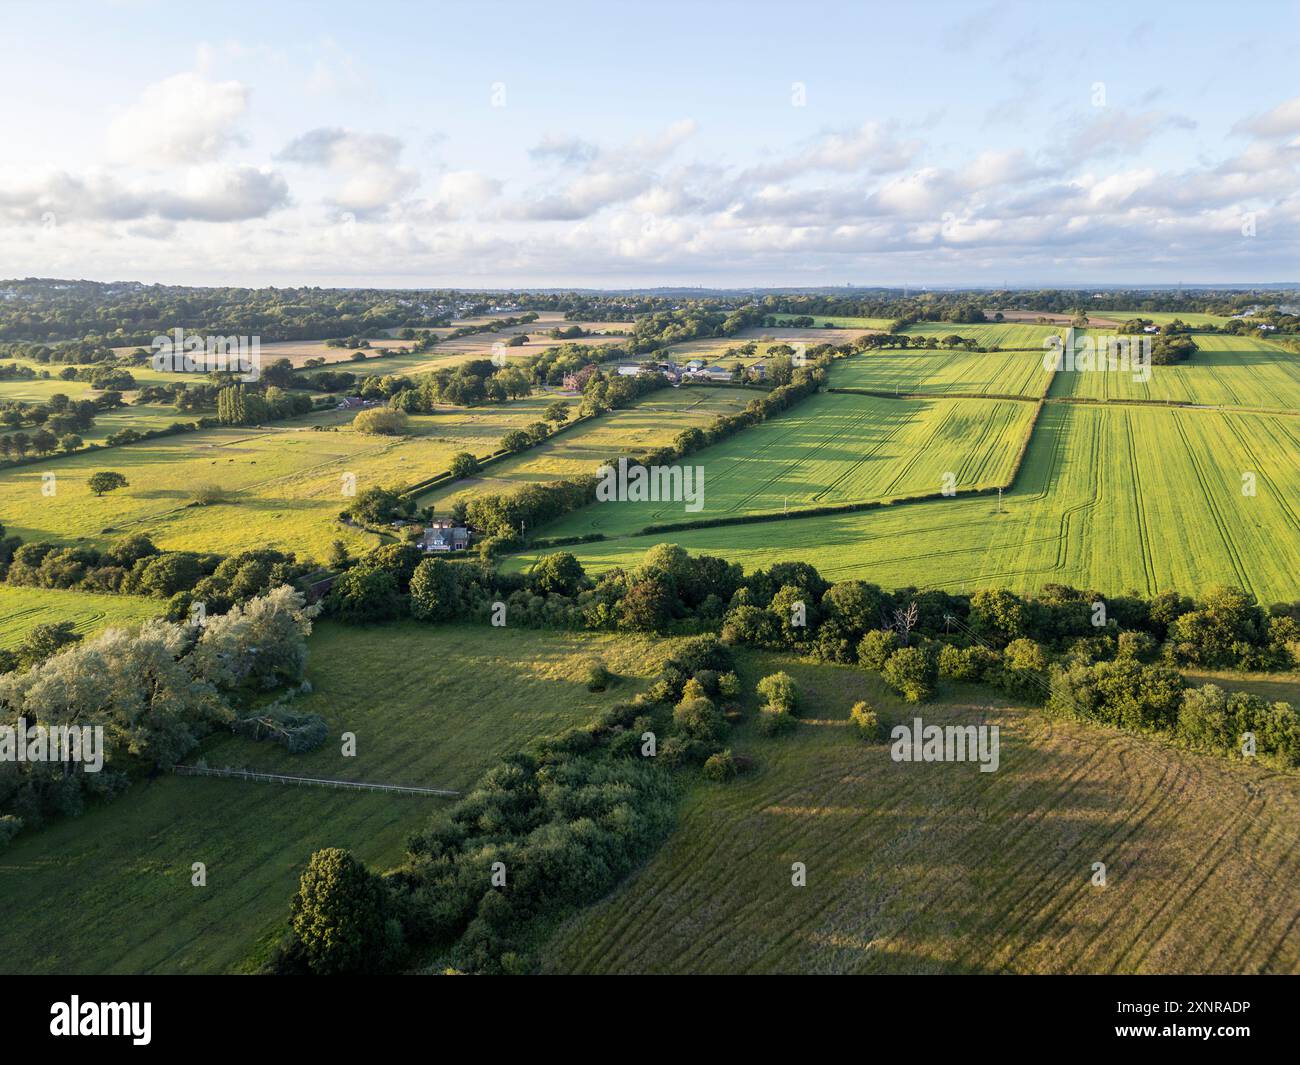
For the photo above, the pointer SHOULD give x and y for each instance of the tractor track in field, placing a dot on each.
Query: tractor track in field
(1212, 507)
(1261, 470)
(1139, 507)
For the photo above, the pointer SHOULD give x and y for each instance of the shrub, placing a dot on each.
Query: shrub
(700, 720)
(384, 421)
(720, 766)
(775, 722)
(463, 464)
(912, 673)
(865, 722)
(780, 692)
(598, 676)
(340, 915)
(875, 648)
(208, 494)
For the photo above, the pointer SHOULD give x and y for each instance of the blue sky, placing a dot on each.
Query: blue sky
(625, 144)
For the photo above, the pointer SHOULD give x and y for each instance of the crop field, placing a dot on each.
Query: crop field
(939, 868)
(286, 482)
(576, 452)
(1226, 371)
(1109, 497)
(115, 883)
(1007, 373)
(836, 448)
(22, 609)
(987, 334)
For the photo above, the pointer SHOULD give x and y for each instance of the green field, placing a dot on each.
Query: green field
(937, 867)
(1005, 373)
(22, 609)
(576, 452)
(987, 334)
(114, 884)
(1164, 317)
(1110, 498)
(1227, 370)
(286, 480)
(836, 448)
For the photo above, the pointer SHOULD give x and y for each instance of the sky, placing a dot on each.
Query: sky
(620, 145)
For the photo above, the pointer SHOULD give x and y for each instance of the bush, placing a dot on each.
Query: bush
(967, 663)
(463, 464)
(384, 421)
(720, 766)
(700, 720)
(598, 676)
(875, 648)
(912, 673)
(208, 494)
(340, 915)
(865, 722)
(780, 692)
(776, 722)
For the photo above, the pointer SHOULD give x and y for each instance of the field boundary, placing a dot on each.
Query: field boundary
(324, 782)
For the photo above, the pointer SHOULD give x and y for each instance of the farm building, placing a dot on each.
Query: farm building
(717, 374)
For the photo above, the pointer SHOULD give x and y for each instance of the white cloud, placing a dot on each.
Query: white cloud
(366, 165)
(1281, 121)
(184, 118)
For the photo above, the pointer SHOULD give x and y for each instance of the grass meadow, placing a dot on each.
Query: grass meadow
(577, 452)
(286, 481)
(22, 609)
(114, 884)
(939, 868)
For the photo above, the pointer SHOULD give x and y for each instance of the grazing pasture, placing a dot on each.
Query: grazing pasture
(939, 868)
(1007, 373)
(114, 884)
(653, 422)
(836, 448)
(286, 481)
(22, 609)
(1109, 497)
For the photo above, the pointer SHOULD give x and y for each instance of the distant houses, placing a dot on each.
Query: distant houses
(355, 403)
